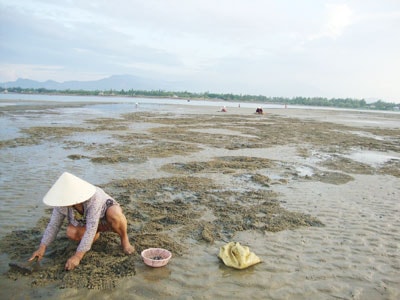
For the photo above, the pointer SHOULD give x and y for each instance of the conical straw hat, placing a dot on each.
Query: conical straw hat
(69, 190)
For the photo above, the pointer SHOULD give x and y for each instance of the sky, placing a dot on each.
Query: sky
(276, 48)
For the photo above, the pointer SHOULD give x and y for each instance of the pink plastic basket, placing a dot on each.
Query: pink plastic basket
(156, 257)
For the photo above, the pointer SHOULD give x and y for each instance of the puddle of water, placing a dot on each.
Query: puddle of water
(93, 138)
(142, 127)
(223, 132)
(274, 176)
(12, 122)
(372, 158)
(304, 171)
(368, 135)
(8, 129)
(317, 157)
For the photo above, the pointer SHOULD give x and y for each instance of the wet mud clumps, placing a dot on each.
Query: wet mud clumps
(17, 243)
(199, 209)
(246, 167)
(171, 135)
(101, 267)
(347, 165)
(392, 167)
(276, 130)
(228, 164)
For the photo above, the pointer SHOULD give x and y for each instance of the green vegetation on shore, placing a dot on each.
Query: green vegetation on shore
(307, 101)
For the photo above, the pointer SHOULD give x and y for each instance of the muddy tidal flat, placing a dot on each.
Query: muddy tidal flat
(314, 193)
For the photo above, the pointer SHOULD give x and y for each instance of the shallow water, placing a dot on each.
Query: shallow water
(355, 256)
(9, 99)
(373, 158)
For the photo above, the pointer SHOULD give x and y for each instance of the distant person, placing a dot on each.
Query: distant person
(259, 111)
(223, 109)
(89, 211)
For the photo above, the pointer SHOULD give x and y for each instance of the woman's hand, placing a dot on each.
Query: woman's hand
(39, 253)
(73, 261)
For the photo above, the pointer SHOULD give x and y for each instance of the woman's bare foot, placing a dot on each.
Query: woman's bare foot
(129, 249)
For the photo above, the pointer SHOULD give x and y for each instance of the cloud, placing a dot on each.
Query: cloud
(338, 18)
(11, 72)
(305, 47)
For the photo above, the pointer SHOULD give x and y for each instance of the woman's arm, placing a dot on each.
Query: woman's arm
(92, 222)
(74, 260)
(57, 217)
(56, 220)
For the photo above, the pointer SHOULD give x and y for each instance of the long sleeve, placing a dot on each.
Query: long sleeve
(94, 210)
(56, 220)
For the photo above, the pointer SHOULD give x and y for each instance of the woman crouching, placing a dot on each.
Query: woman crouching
(89, 211)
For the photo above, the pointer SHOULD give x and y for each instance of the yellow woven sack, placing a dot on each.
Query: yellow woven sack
(237, 256)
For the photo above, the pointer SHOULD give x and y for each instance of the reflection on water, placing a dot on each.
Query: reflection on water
(372, 158)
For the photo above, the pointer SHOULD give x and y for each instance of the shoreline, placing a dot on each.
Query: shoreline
(286, 101)
(186, 102)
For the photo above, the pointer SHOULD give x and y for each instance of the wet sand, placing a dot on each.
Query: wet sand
(314, 193)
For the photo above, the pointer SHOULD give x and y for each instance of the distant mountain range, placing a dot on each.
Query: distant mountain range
(115, 82)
